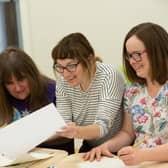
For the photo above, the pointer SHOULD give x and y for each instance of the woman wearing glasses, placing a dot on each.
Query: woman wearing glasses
(145, 56)
(89, 93)
(23, 89)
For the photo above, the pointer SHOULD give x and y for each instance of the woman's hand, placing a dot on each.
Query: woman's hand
(69, 131)
(130, 156)
(97, 152)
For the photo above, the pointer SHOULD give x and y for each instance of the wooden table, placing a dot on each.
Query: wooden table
(62, 160)
(45, 163)
(72, 161)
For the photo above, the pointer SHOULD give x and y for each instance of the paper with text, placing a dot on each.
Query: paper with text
(24, 134)
(105, 162)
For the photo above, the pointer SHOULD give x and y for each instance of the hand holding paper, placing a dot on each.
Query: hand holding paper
(68, 131)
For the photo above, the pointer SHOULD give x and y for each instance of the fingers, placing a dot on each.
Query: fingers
(127, 155)
(68, 131)
(95, 153)
(108, 153)
(86, 156)
(71, 124)
(125, 151)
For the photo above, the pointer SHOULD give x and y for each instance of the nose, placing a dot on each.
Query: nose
(132, 61)
(17, 86)
(66, 73)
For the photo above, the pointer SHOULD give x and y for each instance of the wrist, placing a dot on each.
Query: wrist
(141, 155)
(76, 132)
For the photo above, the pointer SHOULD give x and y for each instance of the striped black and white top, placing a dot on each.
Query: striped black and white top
(100, 104)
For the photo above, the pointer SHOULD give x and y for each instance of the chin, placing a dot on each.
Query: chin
(139, 74)
(21, 97)
(73, 84)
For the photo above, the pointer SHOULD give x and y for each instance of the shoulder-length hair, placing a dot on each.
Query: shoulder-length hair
(14, 61)
(155, 39)
(75, 46)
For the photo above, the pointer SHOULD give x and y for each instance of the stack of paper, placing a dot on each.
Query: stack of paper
(19, 137)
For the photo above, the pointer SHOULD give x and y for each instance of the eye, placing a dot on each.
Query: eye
(8, 83)
(136, 54)
(58, 67)
(71, 66)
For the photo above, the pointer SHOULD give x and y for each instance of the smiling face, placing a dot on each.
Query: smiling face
(142, 67)
(77, 76)
(18, 88)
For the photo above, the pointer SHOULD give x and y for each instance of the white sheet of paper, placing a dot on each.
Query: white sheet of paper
(24, 134)
(27, 157)
(105, 162)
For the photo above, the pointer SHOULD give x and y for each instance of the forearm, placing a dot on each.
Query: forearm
(159, 153)
(120, 140)
(88, 132)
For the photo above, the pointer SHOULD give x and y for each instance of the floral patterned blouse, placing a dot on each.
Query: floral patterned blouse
(149, 114)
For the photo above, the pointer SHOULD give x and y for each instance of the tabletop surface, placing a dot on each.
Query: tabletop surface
(62, 160)
(72, 161)
(45, 163)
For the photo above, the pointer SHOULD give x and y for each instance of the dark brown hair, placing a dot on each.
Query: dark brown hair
(76, 46)
(155, 40)
(14, 61)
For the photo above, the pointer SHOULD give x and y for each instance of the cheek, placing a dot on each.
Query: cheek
(27, 86)
(80, 71)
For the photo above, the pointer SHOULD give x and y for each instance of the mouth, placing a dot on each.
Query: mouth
(69, 80)
(138, 68)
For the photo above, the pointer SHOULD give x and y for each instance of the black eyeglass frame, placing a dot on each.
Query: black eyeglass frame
(69, 67)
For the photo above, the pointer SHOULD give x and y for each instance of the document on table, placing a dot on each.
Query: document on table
(19, 137)
(105, 162)
(27, 157)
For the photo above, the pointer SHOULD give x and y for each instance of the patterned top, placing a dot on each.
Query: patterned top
(100, 104)
(149, 115)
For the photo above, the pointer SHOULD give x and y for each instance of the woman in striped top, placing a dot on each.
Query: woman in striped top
(89, 93)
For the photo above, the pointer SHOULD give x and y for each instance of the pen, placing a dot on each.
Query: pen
(135, 145)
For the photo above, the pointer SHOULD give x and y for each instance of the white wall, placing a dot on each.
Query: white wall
(104, 22)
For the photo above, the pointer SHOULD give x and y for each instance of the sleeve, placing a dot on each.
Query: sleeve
(51, 91)
(131, 91)
(63, 103)
(110, 102)
(126, 100)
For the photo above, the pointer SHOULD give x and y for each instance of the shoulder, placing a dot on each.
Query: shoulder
(51, 86)
(51, 82)
(109, 73)
(133, 89)
(108, 70)
(105, 68)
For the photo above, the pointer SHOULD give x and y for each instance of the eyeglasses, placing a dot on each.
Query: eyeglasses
(69, 68)
(137, 55)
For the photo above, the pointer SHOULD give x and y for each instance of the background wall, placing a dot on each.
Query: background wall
(104, 22)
